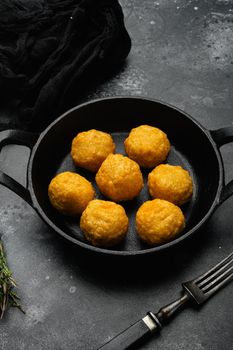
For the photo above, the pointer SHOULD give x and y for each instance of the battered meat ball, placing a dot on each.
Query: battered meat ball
(170, 182)
(147, 145)
(159, 221)
(70, 193)
(119, 178)
(90, 148)
(104, 223)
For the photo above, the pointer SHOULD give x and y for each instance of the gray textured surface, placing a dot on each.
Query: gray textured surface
(182, 53)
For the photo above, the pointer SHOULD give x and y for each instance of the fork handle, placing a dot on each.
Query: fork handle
(145, 327)
(167, 311)
(140, 330)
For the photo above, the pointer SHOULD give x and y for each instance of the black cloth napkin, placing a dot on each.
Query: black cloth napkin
(51, 48)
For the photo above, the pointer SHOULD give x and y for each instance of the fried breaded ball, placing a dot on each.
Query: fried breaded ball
(70, 193)
(159, 221)
(90, 148)
(170, 182)
(104, 223)
(147, 145)
(119, 178)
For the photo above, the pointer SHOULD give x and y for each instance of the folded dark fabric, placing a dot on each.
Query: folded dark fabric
(49, 46)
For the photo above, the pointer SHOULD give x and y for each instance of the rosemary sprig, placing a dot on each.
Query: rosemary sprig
(7, 295)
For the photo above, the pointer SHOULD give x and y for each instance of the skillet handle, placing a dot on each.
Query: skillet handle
(221, 137)
(17, 137)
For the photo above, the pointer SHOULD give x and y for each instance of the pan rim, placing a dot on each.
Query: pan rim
(149, 250)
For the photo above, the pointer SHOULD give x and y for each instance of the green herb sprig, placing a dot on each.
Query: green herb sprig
(7, 295)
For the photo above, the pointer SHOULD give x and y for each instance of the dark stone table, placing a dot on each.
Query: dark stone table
(182, 53)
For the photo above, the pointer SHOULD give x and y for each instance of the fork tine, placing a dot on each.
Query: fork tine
(219, 285)
(216, 280)
(205, 285)
(215, 268)
(215, 274)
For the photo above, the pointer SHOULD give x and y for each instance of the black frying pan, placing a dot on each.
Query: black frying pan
(193, 147)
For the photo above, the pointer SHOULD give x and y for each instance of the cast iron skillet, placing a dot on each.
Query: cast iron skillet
(193, 147)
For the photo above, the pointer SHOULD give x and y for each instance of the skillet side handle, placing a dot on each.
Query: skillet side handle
(23, 138)
(221, 137)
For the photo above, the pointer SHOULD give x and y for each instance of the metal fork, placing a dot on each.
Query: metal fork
(198, 290)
